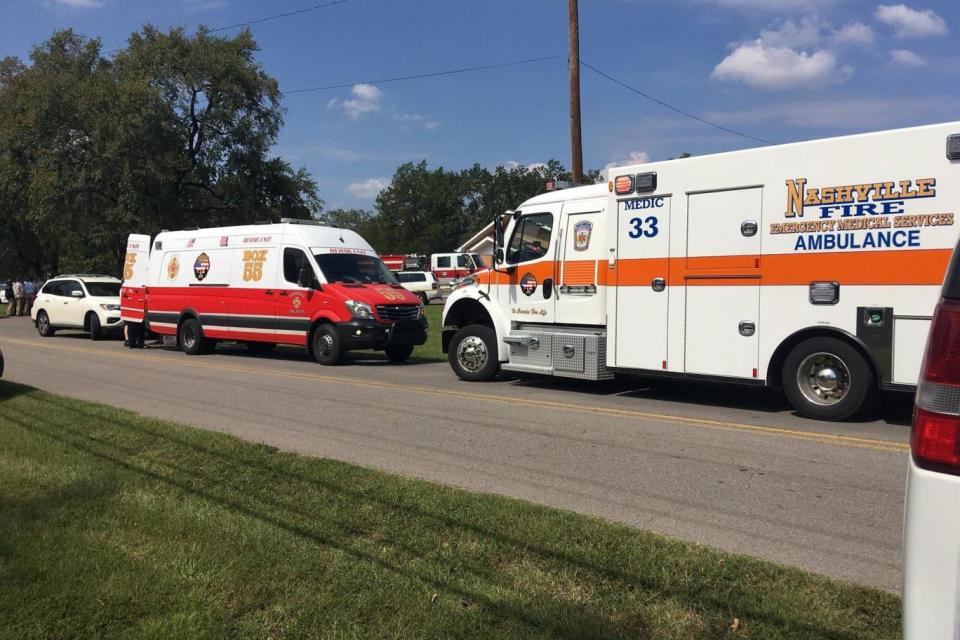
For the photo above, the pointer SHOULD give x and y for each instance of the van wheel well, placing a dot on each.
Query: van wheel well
(775, 368)
(86, 320)
(467, 312)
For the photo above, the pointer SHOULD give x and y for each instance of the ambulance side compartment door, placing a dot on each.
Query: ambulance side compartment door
(642, 277)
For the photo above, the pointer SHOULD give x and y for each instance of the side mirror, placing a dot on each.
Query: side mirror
(305, 278)
(499, 256)
(76, 293)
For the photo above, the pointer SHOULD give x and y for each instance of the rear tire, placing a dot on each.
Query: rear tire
(44, 328)
(473, 353)
(398, 354)
(828, 379)
(261, 348)
(191, 338)
(423, 298)
(93, 326)
(326, 345)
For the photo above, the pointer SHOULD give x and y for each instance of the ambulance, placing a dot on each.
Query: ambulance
(812, 266)
(296, 283)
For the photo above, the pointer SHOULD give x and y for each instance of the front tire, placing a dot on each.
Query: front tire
(191, 338)
(398, 354)
(44, 328)
(93, 325)
(326, 345)
(473, 353)
(828, 379)
(423, 298)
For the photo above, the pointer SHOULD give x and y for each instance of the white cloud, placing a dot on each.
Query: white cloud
(806, 33)
(368, 188)
(79, 4)
(204, 5)
(906, 58)
(854, 33)
(635, 157)
(366, 99)
(908, 22)
(779, 67)
(417, 119)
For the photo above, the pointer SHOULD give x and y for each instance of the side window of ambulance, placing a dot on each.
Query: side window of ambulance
(293, 261)
(531, 238)
(463, 261)
(443, 262)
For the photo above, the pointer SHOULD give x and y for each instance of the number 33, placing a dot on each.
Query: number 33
(638, 229)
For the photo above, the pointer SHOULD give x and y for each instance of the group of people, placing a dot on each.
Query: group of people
(20, 293)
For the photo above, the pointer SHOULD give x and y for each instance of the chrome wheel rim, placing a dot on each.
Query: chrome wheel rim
(43, 322)
(325, 344)
(189, 337)
(823, 379)
(472, 354)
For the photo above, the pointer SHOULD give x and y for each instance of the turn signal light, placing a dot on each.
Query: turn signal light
(623, 185)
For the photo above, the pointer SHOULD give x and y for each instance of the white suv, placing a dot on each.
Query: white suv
(421, 283)
(86, 302)
(931, 580)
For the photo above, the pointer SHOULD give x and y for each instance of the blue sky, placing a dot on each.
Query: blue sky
(781, 70)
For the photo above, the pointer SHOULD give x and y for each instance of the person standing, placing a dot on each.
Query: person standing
(29, 295)
(16, 306)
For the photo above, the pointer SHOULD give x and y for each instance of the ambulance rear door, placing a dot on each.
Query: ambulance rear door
(136, 271)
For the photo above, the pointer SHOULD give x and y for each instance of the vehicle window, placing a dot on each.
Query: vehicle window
(531, 238)
(412, 277)
(53, 289)
(354, 268)
(464, 262)
(478, 261)
(293, 261)
(104, 289)
(69, 286)
(443, 262)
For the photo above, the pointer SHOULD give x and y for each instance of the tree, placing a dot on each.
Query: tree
(172, 132)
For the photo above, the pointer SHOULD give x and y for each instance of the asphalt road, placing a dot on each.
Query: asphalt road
(724, 466)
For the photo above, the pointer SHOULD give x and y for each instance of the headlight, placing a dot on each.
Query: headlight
(360, 310)
(110, 307)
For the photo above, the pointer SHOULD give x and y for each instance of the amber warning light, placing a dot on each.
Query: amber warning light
(623, 185)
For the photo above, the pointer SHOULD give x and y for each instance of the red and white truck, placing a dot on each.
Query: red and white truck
(295, 282)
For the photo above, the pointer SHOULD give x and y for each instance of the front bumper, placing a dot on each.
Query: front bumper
(111, 323)
(370, 334)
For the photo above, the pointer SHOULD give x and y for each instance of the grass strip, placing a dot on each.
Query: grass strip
(115, 525)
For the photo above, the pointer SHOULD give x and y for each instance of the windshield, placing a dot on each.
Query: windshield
(477, 260)
(354, 268)
(103, 289)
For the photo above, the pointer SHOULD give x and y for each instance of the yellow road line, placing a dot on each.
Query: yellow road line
(851, 441)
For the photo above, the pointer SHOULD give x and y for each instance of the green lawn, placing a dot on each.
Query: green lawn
(431, 349)
(117, 526)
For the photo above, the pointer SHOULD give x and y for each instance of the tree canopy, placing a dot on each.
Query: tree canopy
(172, 131)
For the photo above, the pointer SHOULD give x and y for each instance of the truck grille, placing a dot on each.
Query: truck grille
(398, 311)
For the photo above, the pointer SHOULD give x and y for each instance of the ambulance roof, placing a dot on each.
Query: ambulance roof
(309, 235)
(563, 195)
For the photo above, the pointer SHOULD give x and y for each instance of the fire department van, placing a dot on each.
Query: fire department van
(814, 266)
(295, 282)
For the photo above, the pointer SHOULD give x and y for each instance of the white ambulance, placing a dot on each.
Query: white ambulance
(296, 282)
(814, 266)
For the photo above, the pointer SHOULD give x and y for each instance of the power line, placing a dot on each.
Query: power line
(673, 108)
(279, 15)
(433, 74)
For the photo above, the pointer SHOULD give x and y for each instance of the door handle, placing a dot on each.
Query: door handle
(748, 229)
(268, 292)
(658, 284)
(284, 293)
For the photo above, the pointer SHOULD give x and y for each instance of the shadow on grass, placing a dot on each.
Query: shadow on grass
(221, 476)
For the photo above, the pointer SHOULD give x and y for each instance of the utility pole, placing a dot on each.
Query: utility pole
(573, 62)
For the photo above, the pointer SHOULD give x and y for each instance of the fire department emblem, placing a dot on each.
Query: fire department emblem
(296, 302)
(581, 235)
(528, 283)
(202, 266)
(173, 268)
